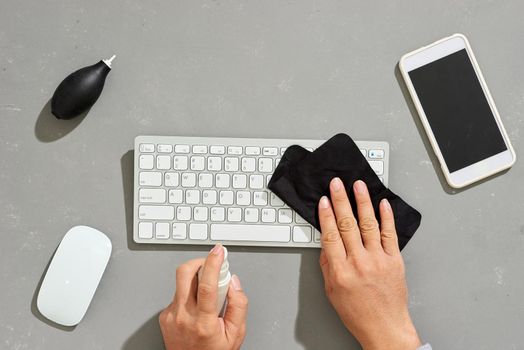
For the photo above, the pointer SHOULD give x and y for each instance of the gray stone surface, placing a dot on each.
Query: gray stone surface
(297, 69)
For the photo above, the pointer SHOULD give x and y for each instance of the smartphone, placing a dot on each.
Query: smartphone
(457, 111)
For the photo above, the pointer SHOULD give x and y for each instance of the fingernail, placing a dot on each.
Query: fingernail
(235, 282)
(216, 249)
(385, 203)
(336, 184)
(360, 187)
(324, 202)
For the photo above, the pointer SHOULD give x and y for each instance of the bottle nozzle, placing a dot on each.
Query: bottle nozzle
(109, 61)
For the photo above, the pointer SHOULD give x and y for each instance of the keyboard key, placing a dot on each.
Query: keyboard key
(265, 165)
(146, 161)
(222, 180)
(243, 198)
(364, 152)
(163, 162)
(200, 214)
(252, 151)
(260, 198)
(181, 149)
(188, 179)
(146, 148)
(165, 148)
(198, 163)
(268, 215)
(248, 164)
(145, 230)
(299, 219)
(217, 149)
(192, 196)
(239, 181)
(268, 178)
(275, 201)
(231, 164)
(156, 212)
(270, 151)
(234, 214)
(237, 150)
(180, 163)
(282, 150)
(162, 230)
(179, 231)
(256, 182)
(302, 234)
(218, 214)
(226, 197)
(183, 213)
(376, 153)
(377, 166)
(277, 161)
(198, 231)
(149, 178)
(175, 196)
(285, 216)
(152, 195)
(256, 233)
(214, 163)
(209, 197)
(171, 179)
(199, 149)
(205, 180)
(251, 215)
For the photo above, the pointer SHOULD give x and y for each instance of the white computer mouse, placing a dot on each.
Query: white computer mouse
(73, 275)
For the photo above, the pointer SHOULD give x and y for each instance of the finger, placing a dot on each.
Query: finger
(208, 284)
(366, 217)
(330, 238)
(236, 311)
(186, 275)
(193, 289)
(388, 233)
(346, 222)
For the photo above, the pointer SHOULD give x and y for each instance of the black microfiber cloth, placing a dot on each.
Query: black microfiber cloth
(303, 177)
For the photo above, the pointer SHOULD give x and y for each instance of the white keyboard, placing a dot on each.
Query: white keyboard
(204, 190)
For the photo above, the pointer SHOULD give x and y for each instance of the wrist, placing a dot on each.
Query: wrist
(403, 337)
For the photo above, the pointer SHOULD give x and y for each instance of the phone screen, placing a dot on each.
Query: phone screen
(457, 110)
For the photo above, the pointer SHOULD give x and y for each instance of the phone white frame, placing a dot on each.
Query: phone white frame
(484, 168)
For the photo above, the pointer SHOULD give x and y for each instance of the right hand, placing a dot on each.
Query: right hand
(363, 270)
(191, 322)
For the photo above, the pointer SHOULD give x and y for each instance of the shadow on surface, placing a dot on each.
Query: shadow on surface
(427, 144)
(148, 336)
(48, 128)
(34, 307)
(317, 325)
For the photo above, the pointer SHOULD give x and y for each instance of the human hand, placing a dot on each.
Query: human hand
(363, 270)
(190, 322)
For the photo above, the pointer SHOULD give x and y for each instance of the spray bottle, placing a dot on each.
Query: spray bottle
(223, 284)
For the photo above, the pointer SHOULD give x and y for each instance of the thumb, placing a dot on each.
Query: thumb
(236, 311)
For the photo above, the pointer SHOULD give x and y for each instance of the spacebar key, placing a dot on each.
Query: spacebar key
(258, 233)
